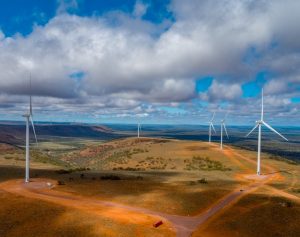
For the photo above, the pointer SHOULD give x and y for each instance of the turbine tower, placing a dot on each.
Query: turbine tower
(259, 124)
(223, 126)
(29, 119)
(211, 126)
(139, 129)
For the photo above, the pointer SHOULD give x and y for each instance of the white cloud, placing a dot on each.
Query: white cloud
(276, 87)
(276, 102)
(222, 92)
(66, 5)
(126, 61)
(140, 9)
(173, 90)
(2, 36)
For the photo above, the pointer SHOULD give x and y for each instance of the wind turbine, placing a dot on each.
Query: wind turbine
(223, 126)
(29, 119)
(139, 129)
(211, 126)
(259, 124)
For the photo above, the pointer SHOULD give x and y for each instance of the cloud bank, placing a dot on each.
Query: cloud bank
(120, 63)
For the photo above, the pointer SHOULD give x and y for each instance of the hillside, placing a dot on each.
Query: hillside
(15, 134)
(129, 184)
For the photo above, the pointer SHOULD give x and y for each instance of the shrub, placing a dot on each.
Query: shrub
(202, 181)
(110, 177)
(62, 171)
(204, 163)
(60, 182)
(295, 190)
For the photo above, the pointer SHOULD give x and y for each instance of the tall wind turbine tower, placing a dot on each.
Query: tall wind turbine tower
(138, 130)
(28, 118)
(223, 126)
(259, 124)
(211, 127)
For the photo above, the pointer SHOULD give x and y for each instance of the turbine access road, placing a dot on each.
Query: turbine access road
(184, 226)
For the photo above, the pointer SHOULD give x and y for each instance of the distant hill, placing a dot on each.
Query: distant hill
(15, 134)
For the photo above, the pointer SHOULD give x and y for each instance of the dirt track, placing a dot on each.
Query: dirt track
(184, 226)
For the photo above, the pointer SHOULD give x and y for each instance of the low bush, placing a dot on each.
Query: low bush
(60, 182)
(110, 177)
(62, 171)
(202, 181)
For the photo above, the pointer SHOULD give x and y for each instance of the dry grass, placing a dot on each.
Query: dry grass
(181, 198)
(45, 219)
(256, 215)
(147, 154)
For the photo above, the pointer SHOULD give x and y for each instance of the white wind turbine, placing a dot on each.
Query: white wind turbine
(138, 129)
(259, 124)
(223, 126)
(29, 119)
(211, 126)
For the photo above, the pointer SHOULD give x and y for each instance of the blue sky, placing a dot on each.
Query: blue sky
(152, 61)
(22, 18)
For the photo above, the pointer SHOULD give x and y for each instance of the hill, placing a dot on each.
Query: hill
(129, 184)
(15, 134)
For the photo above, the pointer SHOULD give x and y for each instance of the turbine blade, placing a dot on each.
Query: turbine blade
(30, 105)
(262, 104)
(31, 120)
(252, 130)
(30, 99)
(272, 129)
(213, 127)
(225, 116)
(212, 119)
(225, 130)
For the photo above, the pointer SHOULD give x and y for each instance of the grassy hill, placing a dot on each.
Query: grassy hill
(166, 175)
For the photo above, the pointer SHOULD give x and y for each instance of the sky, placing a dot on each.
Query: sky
(150, 61)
